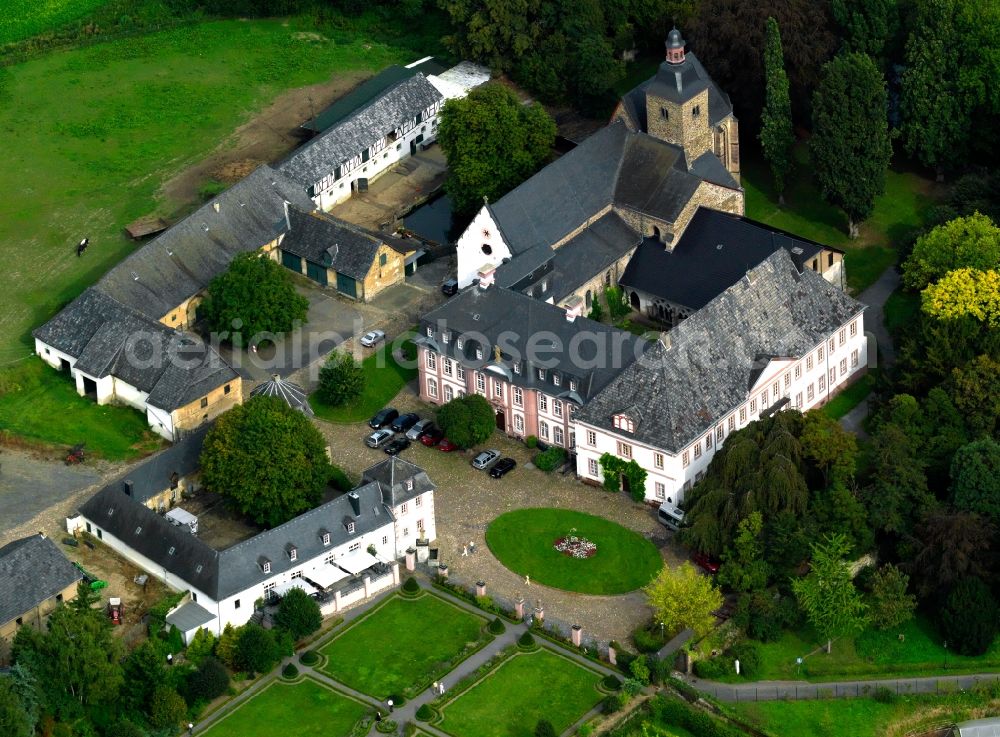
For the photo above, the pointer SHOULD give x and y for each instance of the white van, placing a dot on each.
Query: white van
(670, 517)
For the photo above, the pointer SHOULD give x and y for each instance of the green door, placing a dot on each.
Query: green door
(316, 272)
(291, 261)
(347, 286)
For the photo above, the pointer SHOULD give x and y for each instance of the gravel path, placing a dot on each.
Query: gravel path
(467, 500)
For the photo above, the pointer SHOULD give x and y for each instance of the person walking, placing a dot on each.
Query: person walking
(465, 551)
(527, 580)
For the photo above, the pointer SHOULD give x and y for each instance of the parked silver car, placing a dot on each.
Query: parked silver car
(484, 459)
(419, 429)
(379, 438)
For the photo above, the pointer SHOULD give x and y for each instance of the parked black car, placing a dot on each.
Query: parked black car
(450, 287)
(502, 467)
(405, 422)
(382, 418)
(397, 446)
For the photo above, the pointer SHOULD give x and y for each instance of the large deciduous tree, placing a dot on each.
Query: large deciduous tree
(267, 460)
(341, 380)
(254, 297)
(467, 420)
(681, 598)
(975, 478)
(867, 25)
(14, 719)
(890, 604)
(827, 594)
(493, 143)
(743, 566)
(896, 495)
(299, 614)
(776, 136)
(850, 145)
(966, 242)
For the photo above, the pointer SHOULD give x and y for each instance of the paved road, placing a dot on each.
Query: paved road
(30, 485)
(802, 690)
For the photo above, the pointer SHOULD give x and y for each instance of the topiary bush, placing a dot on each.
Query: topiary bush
(612, 682)
(550, 459)
(647, 640)
(425, 713)
(531, 442)
(290, 671)
(397, 700)
(309, 657)
(496, 627)
(410, 585)
(527, 640)
(615, 702)
(386, 726)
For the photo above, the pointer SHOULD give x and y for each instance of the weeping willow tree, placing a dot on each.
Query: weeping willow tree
(761, 468)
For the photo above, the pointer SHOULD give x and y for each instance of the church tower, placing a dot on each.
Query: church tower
(677, 102)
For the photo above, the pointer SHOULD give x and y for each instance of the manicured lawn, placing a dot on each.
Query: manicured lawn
(385, 377)
(900, 310)
(26, 18)
(872, 653)
(897, 212)
(510, 700)
(403, 644)
(850, 398)
(523, 541)
(43, 406)
(91, 134)
(863, 717)
(305, 709)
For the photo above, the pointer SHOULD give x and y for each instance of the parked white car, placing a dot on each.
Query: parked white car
(379, 438)
(484, 459)
(372, 337)
(418, 429)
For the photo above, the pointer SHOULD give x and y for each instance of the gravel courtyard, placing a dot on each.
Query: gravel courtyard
(467, 500)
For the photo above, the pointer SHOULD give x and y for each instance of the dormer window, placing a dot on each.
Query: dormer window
(624, 422)
(572, 385)
(325, 537)
(541, 374)
(430, 332)
(409, 484)
(556, 380)
(446, 336)
(265, 565)
(517, 367)
(458, 344)
(293, 553)
(172, 550)
(350, 528)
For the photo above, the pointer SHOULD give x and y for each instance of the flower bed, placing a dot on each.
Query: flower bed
(576, 547)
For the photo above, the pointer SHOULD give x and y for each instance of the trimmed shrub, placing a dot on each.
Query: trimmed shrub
(527, 640)
(209, 681)
(647, 640)
(550, 459)
(531, 442)
(496, 627)
(632, 686)
(639, 670)
(749, 656)
(612, 682)
(309, 657)
(615, 702)
(290, 671)
(712, 669)
(386, 726)
(411, 586)
(298, 614)
(397, 699)
(425, 713)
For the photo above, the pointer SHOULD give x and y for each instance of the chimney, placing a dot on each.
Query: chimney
(486, 276)
(127, 487)
(573, 307)
(355, 503)
(288, 219)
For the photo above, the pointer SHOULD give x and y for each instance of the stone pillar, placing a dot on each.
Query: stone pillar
(443, 570)
(577, 634)
(539, 612)
(395, 573)
(411, 559)
(519, 607)
(336, 600)
(480, 588)
(612, 655)
(368, 586)
(423, 550)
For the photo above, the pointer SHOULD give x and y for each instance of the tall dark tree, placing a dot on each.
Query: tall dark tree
(144, 671)
(896, 495)
(975, 478)
(267, 459)
(728, 36)
(850, 144)
(341, 380)
(14, 719)
(867, 25)
(299, 614)
(493, 143)
(253, 297)
(949, 547)
(968, 618)
(950, 76)
(257, 649)
(776, 136)
(467, 420)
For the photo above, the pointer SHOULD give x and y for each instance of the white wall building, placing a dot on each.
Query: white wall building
(780, 338)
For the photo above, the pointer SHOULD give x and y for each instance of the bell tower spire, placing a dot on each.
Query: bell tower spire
(675, 47)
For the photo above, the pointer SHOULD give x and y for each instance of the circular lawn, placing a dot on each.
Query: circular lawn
(525, 541)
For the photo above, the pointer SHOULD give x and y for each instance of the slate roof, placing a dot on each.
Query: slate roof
(190, 616)
(220, 574)
(334, 243)
(590, 252)
(393, 107)
(32, 570)
(154, 475)
(367, 91)
(182, 261)
(110, 338)
(534, 334)
(714, 252)
(675, 394)
(392, 476)
(678, 83)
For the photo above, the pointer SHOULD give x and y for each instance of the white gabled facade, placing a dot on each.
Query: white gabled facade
(480, 245)
(804, 382)
(414, 521)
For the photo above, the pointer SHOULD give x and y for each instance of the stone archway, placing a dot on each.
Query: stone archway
(501, 419)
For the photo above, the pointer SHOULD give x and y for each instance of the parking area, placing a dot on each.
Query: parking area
(467, 500)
